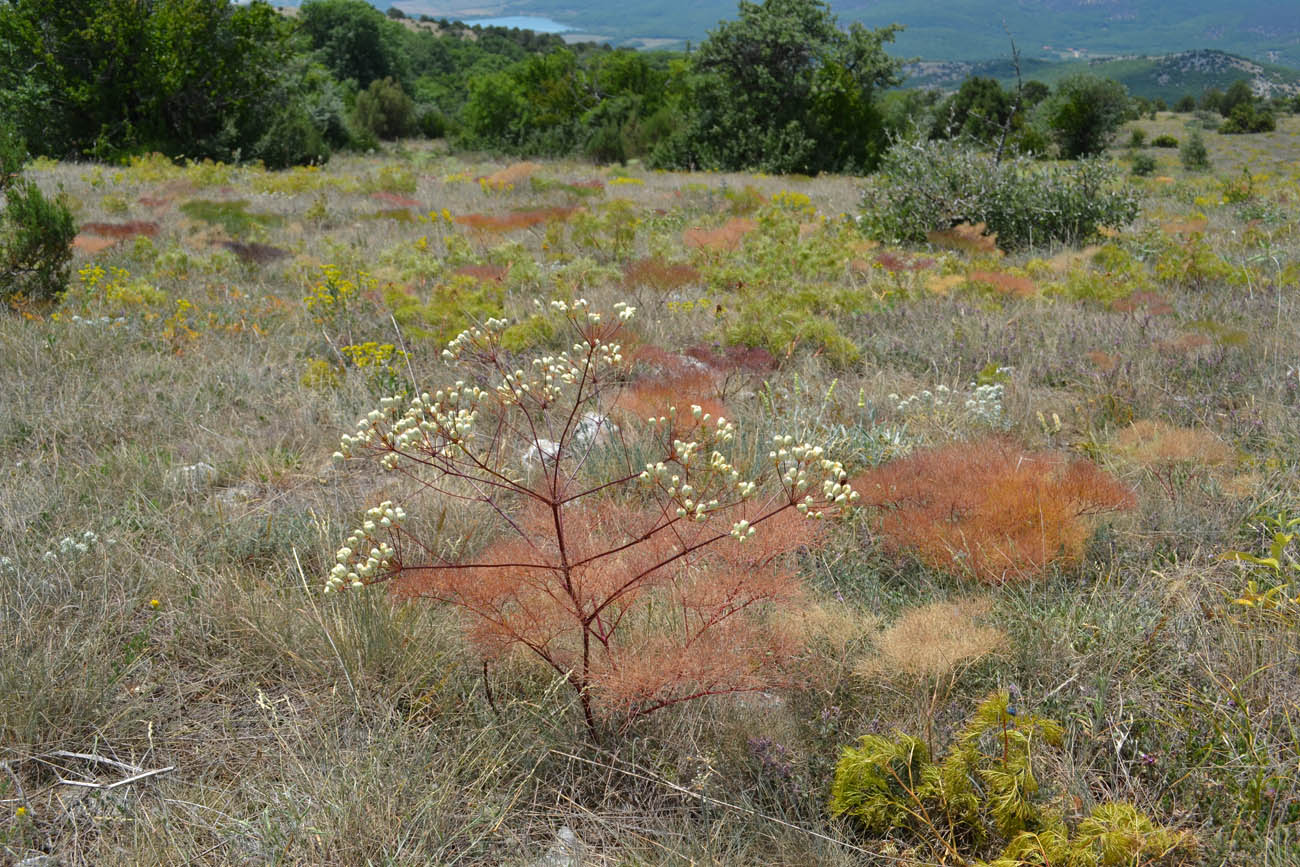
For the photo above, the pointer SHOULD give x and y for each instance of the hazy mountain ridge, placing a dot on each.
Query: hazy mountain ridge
(1265, 30)
(1160, 77)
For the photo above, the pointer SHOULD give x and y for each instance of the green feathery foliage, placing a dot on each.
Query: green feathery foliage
(985, 791)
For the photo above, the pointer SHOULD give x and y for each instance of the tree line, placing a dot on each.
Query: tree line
(781, 88)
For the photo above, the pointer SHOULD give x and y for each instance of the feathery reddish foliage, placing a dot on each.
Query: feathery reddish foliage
(657, 274)
(515, 220)
(725, 238)
(988, 509)
(128, 229)
(1005, 284)
(641, 584)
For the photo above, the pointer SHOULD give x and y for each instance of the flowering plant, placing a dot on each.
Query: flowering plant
(637, 557)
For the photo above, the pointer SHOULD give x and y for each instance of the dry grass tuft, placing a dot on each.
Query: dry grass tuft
(1152, 443)
(934, 641)
(512, 175)
(1193, 226)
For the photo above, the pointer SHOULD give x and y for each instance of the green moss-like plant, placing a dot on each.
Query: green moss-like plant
(985, 791)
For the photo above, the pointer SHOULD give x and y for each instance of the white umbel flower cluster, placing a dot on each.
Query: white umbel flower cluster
(354, 565)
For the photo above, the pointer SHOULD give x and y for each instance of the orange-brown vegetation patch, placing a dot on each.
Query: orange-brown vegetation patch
(966, 238)
(511, 175)
(895, 264)
(92, 244)
(515, 220)
(935, 640)
(1103, 361)
(484, 273)
(988, 509)
(730, 359)
(154, 201)
(1194, 226)
(253, 253)
(395, 200)
(655, 273)
(1150, 303)
(127, 229)
(658, 396)
(1013, 285)
(725, 238)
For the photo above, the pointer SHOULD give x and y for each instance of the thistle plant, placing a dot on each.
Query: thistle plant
(642, 559)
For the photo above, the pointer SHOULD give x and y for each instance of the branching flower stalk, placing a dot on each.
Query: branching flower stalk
(633, 556)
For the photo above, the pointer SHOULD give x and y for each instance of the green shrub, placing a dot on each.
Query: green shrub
(35, 232)
(1144, 165)
(1246, 118)
(1084, 114)
(1137, 138)
(292, 139)
(1193, 154)
(1164, 141)
(924, 187)
(384, 110)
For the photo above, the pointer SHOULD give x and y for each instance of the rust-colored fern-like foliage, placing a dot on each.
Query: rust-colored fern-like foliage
(654, 273)
(725, 238)
(513, 221)
(628, 553)
(989, 509)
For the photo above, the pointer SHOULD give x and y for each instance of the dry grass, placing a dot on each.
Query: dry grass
(932, 642)
(353, 730)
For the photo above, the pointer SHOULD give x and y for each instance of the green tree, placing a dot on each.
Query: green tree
(1084, 114)
(384, 110)
(186, 77)
(355, 40)
(979, 110)
(1238, 93)
(783, 88)
(35, 232)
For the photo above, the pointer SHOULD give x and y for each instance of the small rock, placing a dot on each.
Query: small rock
(236, 495)
(192, 478)
(566, 851)
(38, 861)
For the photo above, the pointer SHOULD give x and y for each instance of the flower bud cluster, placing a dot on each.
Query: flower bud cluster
(802, 466)
(446, 417)
(354, 565)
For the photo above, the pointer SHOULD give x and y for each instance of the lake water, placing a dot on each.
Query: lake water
(523, 22)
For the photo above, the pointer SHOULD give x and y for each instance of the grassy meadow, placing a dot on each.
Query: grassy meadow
(169, 510)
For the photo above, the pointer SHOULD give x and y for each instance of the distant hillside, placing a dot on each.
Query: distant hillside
(1166, 77)
(1266, 30)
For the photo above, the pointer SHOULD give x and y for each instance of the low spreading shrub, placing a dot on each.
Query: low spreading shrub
(989, 510)
(1144, 165)
(985, 794)
(1164, 141)
(928, 186)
